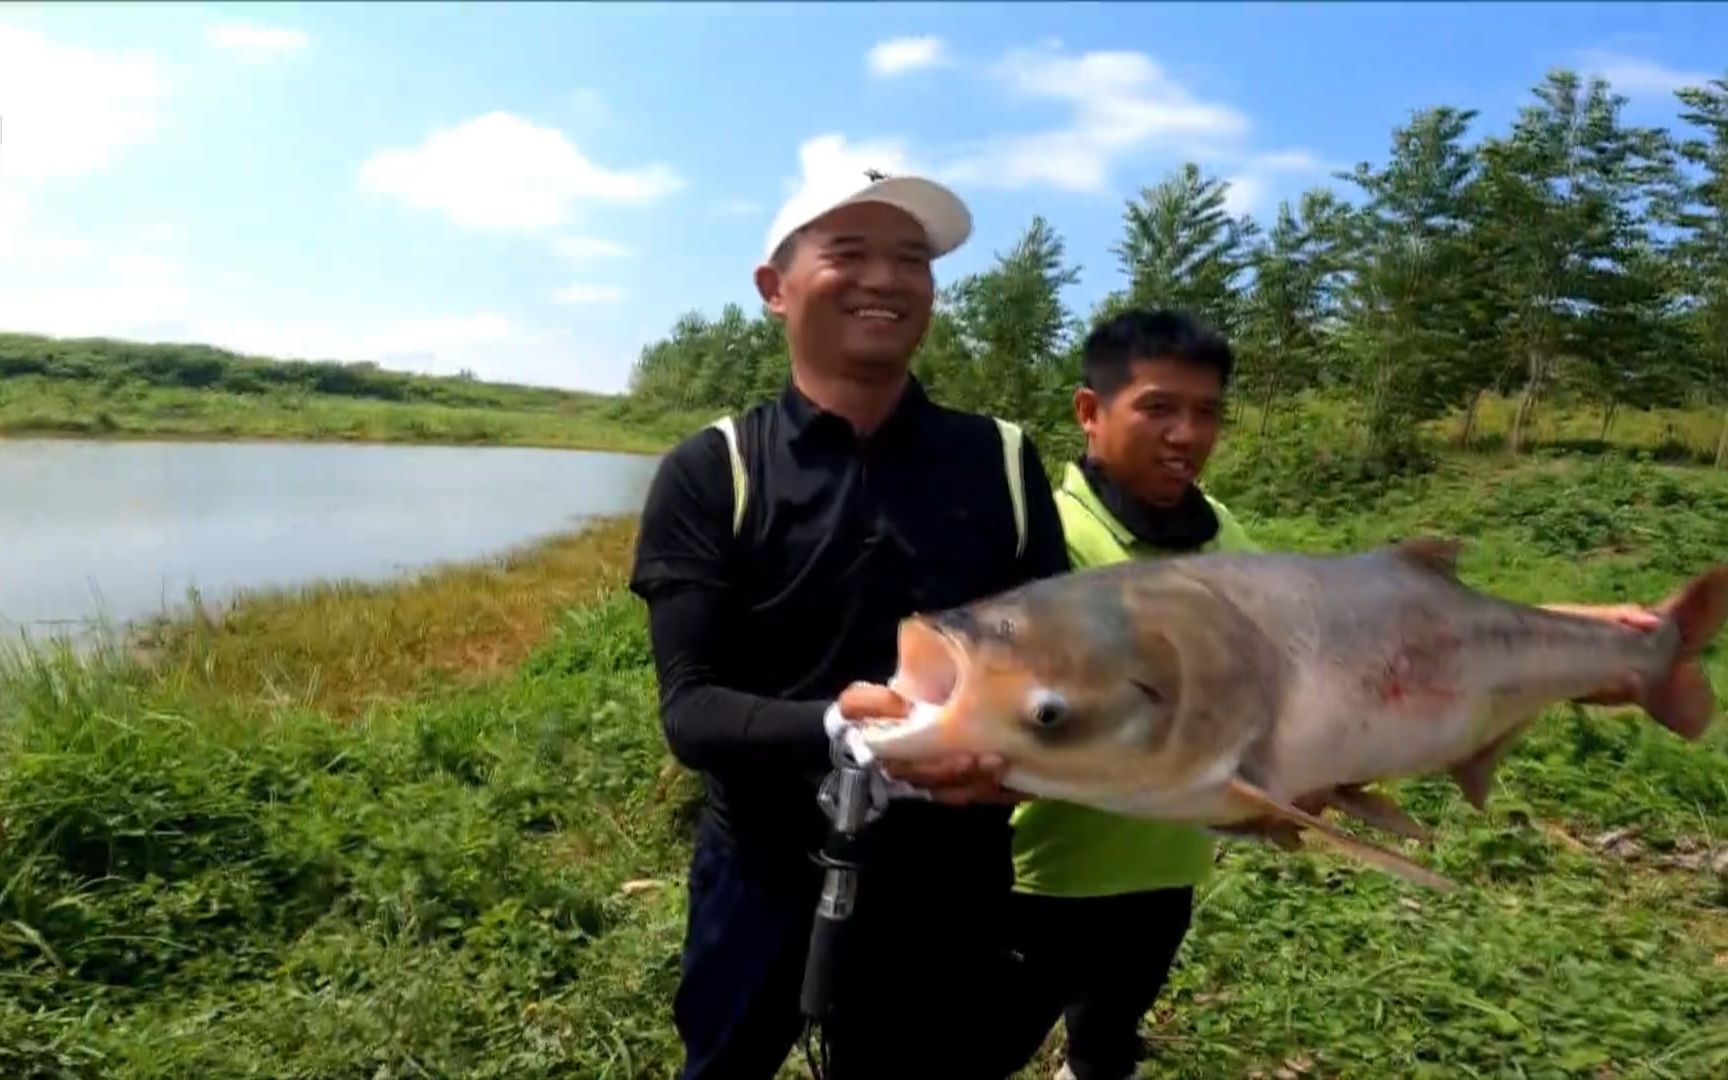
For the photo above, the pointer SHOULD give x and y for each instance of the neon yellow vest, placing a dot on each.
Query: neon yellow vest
(1063, 849)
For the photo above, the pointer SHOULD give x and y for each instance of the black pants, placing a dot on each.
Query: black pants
(1098, 962)
(911, 975)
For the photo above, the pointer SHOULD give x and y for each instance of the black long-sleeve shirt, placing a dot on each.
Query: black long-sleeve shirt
(755, 636)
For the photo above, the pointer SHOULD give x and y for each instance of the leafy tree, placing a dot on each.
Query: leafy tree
(1015, 328)
(1565, 199)
(1297, 271)
(1704, 252)
(1632, 349)
(1183, 249)
(1406, 313)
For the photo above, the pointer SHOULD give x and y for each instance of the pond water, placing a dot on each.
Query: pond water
(121, 530)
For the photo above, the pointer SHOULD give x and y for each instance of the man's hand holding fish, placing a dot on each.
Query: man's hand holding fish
(957, 780)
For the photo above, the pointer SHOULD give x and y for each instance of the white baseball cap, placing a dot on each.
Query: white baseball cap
(946, 220)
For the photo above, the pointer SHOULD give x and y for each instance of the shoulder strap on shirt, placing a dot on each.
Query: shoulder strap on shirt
(740, 476)
(1011, 437)
(1011, 459)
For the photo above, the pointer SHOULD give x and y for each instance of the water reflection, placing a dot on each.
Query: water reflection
(121, 530)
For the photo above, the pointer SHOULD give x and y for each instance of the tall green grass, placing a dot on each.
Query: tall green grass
(344, 648)
(191, 890)
(483, 876)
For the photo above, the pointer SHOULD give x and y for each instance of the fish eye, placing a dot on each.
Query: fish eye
(1048, 710)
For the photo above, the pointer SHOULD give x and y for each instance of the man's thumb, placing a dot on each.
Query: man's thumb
(872, 701)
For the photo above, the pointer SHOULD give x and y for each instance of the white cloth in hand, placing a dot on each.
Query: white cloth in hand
(852, 738)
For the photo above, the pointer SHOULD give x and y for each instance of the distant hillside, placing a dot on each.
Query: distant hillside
(100, 387)
(203, 367)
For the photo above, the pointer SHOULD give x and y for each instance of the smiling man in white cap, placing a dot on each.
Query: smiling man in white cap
(778, 552)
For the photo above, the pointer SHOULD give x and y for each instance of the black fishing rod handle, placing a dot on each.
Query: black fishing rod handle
(821, 967)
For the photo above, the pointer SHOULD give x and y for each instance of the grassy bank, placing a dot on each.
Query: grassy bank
(431, 830)
(40, 406)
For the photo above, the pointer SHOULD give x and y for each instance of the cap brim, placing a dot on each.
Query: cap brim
(946, 221)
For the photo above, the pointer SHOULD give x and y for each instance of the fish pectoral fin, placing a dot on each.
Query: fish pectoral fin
(1253, 799)
(1377, 810)
(1475, 774)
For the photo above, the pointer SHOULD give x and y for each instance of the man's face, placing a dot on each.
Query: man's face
(1156, 433)
(857, 291)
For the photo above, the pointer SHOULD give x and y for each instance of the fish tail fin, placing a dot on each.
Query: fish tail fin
(1681, 698)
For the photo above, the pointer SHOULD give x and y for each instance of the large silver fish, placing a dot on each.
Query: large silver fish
(1248, 692)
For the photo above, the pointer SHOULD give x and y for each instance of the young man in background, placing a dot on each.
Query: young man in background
(1102, 901)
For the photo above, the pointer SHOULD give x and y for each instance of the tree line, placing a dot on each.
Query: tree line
(1575, 253)
(118, 365)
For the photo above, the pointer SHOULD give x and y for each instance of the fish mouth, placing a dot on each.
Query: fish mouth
(932, 662)
(931, 676)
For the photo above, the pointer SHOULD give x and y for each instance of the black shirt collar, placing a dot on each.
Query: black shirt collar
(803, 419)
(1186, 526)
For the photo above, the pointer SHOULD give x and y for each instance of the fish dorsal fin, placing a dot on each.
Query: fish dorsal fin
(1432, 553)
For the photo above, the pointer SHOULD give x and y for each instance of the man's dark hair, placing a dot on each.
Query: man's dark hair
(1150, 334)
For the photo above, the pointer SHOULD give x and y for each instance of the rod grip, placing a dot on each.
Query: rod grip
(821, 967)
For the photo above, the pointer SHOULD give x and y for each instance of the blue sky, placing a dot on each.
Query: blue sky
(535, 191)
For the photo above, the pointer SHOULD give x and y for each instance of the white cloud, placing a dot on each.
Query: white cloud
(424, 335)
(582, 248)
(423, 338)
(1634, 75)
(1120, 103)
(19, 241)
(124, 293)
(143, 295)
(488, 343)
(828, 155)
(1249, 189)
(256, 42)
(63, 283)
(588, 294)
(1244, 194)
(897, 56)
(501, 173)
(70, 111)
(824, 157)
(1114, 107)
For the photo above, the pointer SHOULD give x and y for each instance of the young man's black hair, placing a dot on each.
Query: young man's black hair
(1116, 343)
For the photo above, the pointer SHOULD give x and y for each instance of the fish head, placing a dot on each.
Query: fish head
(1106, 684)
